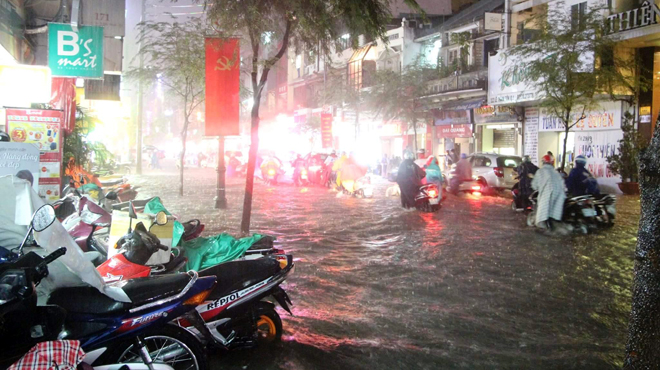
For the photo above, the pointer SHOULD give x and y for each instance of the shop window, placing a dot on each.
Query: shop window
(578, 12)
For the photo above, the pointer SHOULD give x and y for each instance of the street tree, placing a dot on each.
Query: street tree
(399, 96)
(270, 26)
(174, 57)
(572, 63)
(339, 91)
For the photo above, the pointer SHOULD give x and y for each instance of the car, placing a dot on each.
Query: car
(497, 171)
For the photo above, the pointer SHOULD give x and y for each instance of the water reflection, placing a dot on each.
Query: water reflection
(468, 287)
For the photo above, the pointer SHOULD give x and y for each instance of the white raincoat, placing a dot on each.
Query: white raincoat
(550, 202)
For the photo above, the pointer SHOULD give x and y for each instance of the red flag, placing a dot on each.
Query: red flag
(222, 86)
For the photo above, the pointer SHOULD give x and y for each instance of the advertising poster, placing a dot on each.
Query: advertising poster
(532, 134)
(597, 146)
(42, 128)
(222, 87)
(18, 157)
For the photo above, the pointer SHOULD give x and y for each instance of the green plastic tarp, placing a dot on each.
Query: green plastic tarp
(213, 250)
(154, 206)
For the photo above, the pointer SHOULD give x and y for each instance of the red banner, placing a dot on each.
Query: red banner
(222, 86)
(453, 131)
(326, 130)
(63, 96)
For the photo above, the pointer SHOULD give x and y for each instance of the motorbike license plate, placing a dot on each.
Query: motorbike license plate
(588, 212)
(434, 201)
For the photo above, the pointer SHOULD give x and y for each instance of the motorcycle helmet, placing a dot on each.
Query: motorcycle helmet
(526, 159)
(408, 155)
(547, 159)
(581, 159)
(463, 155)
(4, 136)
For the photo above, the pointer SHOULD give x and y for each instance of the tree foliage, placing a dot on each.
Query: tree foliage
(398, 95)
(174, 57)
(268, 27)
(572, 63)
(625, 161)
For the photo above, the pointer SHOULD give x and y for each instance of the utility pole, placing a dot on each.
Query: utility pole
(138, 166)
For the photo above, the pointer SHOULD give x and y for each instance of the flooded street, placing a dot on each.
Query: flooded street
(469, 287)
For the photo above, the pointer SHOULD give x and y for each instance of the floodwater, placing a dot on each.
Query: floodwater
(469, 287)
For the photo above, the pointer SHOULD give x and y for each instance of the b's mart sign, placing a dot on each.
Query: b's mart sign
(75, 54)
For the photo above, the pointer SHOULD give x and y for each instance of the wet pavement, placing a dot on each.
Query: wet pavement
(469, 287)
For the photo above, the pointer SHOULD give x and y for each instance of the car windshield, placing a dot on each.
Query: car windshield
(510, 162)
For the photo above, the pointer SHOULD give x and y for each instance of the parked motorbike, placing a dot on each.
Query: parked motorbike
(111, 332)
(428, 199)
(234, 314)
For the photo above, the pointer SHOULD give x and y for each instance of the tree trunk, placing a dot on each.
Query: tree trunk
(642, 349)
(252, 161)
(567, 129)
(184, 135)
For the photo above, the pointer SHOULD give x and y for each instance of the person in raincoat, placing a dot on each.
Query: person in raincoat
(550, 202)
(409, 179)
(526, 172)
(351, 171)
(580, 181)
(336, 167)
(433, 174)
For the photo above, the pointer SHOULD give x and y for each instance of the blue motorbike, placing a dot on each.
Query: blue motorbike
(138, 334)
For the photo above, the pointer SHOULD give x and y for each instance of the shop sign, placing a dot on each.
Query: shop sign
(597, 146)
(506, 81)
(451, 117)
(75, 54)
(326, 130)
(607, 118)
(645, 15)
(454, 131)
(494, 114)
(531, 147)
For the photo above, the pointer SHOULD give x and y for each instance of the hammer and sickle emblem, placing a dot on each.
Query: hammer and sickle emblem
(223, 64)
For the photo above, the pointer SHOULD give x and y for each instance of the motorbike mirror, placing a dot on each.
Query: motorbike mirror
(43, 217)
(161, 218)
(131, 210)
(111, 195)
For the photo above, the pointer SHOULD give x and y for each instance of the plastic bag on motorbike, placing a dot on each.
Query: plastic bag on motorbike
(210, 251)
(78, 268)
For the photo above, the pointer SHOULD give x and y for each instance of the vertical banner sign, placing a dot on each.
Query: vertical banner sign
(75, 54)
(43, 129)
(222, 86)
(531, 147)
(326, 130)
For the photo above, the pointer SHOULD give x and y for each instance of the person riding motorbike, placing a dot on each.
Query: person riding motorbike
(462, 173)
(298, 165)
(409, 179)
(328, 173)
(270, 163)
(433, 174)
(336, 168)
(551, 197)
(526, 172)
(580, 181)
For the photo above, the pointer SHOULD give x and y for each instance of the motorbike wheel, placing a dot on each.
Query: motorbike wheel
(269, 327)
(168, 344)
(531, 219)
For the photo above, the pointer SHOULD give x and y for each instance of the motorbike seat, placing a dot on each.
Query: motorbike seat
(238, 275)
(141, 291)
